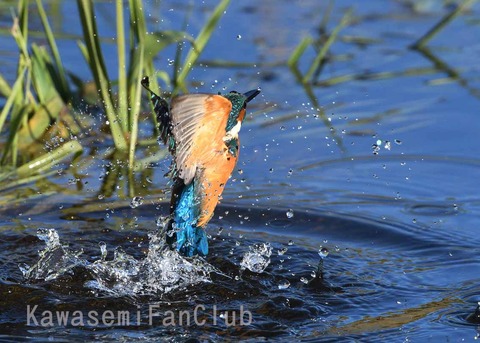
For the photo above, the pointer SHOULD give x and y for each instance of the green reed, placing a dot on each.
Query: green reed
(41, 104)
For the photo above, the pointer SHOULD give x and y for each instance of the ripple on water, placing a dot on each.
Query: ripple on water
(374, 271)
(433, 209)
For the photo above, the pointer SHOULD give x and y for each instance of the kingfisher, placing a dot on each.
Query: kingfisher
(201, 132)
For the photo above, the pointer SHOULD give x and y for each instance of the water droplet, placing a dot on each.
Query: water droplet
(103, 250)
(257, 258)
(24, 268)
(220, 229)
(282, 251)
(398, 141)
(136, 201)
(304, 280)
(290, 242)
(387, 145)
(290, 214)
(239, 37)
(323, 252)
(49, 236)
(284, 284)
(161, 221)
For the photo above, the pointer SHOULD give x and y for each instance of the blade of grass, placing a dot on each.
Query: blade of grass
(41, 78)
(19, 32)
(49, 159)
(33, 128)
(200, 42)
(178, 53)
(22, 26)
(62, 85)
(137, 34)
(157, 41)
(326, 46)
(298, 52)
(11, 145)
(97, 65)
(137, 46)
(135, 113)
(153, 158)
(176, 68)
(5, 89)
(6, 184)
(122, 76)
(441, 24)
(16, 89)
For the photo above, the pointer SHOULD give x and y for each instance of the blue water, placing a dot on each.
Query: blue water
(400, 222)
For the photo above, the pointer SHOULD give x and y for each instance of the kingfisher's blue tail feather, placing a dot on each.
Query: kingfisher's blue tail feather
(191, 240)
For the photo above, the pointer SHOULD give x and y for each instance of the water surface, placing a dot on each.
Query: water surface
(381, 171)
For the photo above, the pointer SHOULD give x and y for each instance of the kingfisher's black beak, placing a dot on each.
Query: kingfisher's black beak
(251, 94)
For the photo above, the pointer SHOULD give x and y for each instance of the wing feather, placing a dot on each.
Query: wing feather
(198, 126)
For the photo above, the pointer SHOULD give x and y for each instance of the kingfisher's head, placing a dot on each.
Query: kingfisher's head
(239, 104)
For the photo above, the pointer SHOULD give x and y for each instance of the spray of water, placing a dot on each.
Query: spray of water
(162, 271)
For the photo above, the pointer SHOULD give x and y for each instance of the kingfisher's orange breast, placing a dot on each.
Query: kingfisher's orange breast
(213, 178)
(214, 172)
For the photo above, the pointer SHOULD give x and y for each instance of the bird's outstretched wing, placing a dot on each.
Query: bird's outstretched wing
(198, 123)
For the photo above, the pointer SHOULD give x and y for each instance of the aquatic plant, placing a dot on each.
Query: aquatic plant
(41, 104)
(38, 98)
(322, 48)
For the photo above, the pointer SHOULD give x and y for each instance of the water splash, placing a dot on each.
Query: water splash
(55, 259)
(283, 284)
(136, 201)
(163, 270)
(257, 258)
